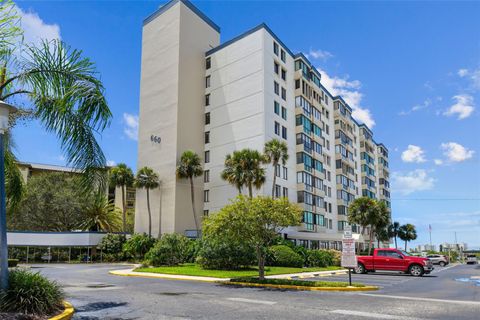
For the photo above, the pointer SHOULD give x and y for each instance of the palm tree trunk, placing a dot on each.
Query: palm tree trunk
(405, 245)
(274, 179)
(192, 193)
(149, 214)
(395, 237)
(250, 190)
(370, 240)
(124, 207)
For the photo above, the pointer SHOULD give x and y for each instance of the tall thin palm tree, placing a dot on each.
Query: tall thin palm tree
(233, 172)
(380, 221)
(407, 232)
(254, 173)
(122, 176)
(276, 152)
(393, 231)
(101, 215)
(360, 212)
(147, 179)
(189, 167)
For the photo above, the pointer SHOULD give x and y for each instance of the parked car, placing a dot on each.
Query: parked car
(394, 260)
(472, 259)
(439, 259)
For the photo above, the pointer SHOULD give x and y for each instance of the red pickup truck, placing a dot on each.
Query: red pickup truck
(394, 260)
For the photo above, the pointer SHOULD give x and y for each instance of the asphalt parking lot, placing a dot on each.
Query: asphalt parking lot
(97, 295)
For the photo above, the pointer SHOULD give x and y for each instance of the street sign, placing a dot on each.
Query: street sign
(349, 259)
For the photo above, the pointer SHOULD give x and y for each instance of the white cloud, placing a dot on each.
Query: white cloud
(413, 154)
(417, 107)
(319, 54)
(130, 128)
(349, 91)
(417, 180)
(462, 73)
(463, 106)
(456, 152)
(438, 162)
(111, 163)
(35, 29)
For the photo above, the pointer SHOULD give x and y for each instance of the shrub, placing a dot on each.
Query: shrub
(112, 245)
(138, 245)
(336, 257)
(319, 258)
(283, 256)
(225, 255)
(170, 250)
(12, 263)
(31, 293)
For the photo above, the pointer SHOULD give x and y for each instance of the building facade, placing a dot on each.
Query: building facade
(216, 98)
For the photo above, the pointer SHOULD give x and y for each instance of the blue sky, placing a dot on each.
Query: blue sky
(411, 70)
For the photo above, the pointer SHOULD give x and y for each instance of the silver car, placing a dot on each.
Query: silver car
(439, 259)
(472, 259)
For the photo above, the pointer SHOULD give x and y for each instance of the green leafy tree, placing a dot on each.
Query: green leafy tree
(393, 231)
(147, 179)
(407, 232)
(276, 152)
(190, 167)
(52, 202)
(101, 215)
(122, 176)
(253, 221)
(381, 221)
(359, 212)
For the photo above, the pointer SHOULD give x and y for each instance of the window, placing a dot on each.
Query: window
(277, 170)
(278, 191)
(284, 94)
(284, 74)
(284, 132)
(276, 67)
(207, 156)
(297, 84)
(285, 173)
(283, 56)
(208, 63)
(207, 99)
(285, 192)
(284, 113)
(207, 118)
(207, 82)
(275, 48)
(205, 213)
(276, 107)
(277, 128)
(206, 176)
(276, 88)
(206, 194)
(207, 137)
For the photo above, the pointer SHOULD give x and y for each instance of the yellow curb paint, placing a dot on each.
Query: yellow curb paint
(67, 314)
(286, 286)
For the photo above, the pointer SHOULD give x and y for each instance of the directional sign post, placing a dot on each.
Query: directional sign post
(349, 259)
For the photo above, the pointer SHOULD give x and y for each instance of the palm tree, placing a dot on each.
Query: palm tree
(101, 215)
(381, 221)
(254, 173)
(407, 232)
(122, 176)
(233, 172)
(275, 151)
(147, 179)
(393, 231)
(190, 167)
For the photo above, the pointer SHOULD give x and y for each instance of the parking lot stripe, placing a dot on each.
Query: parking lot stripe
(252, 301)
(371, 315)
(475, 303)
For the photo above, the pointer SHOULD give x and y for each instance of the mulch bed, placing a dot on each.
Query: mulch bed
(19, 316)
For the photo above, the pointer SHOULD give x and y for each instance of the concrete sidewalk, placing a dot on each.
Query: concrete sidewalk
(302, 275)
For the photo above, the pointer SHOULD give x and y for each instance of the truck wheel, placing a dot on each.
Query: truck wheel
(416, 270)
(360, 269)
(442, 264)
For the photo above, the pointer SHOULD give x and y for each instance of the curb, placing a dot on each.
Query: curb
(164, 276)
(67, 314)
(320, 274)
(299, 288)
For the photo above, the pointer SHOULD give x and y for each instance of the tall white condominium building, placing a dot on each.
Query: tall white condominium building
(197, 94)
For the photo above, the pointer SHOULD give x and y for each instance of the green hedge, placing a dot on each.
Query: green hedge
(170, 250)
(12, 263)
(225, 255)
(319, 258)
(283, 256)
(302, 283)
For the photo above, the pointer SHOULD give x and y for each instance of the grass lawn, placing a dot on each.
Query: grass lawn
(190, 269)
(302, 283)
